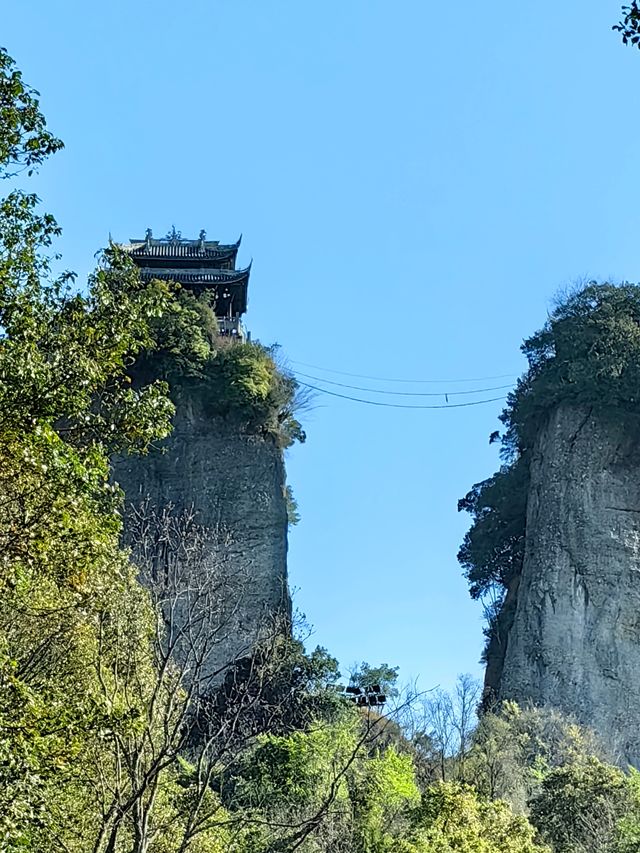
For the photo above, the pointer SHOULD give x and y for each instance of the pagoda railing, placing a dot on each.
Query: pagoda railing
(231, 328)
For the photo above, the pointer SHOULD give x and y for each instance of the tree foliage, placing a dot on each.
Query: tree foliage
(322, 777)
(452, 817)
(230, 379)
(65, 404)
(581, 807)
(586, 354)
(24, 139)
(514, 748)
(384, 676)
(493, 550)
(629, 26)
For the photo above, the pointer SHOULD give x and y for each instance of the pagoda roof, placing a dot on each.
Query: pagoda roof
(230, 286)
(174, 246)
(198, 265)
(206, 275)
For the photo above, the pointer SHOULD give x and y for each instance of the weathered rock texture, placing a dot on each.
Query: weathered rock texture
(574, 637)
(234, 483)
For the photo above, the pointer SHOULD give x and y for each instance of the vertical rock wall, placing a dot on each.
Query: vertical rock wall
(574, 642)
(233, 482)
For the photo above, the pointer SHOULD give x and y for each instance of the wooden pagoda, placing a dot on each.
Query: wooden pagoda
(199, 265)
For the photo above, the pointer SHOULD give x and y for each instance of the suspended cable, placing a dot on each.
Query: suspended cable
(401, 405)
(409, 381)
(404, 393)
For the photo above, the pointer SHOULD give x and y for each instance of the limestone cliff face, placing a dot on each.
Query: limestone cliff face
(234, 483)
(573, 641)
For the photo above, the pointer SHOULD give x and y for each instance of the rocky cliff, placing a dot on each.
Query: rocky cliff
(232, 483)
(572, 637)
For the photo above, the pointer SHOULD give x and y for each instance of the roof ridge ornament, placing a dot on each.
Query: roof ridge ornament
(148, 234)
(173, 236)
(202, 237)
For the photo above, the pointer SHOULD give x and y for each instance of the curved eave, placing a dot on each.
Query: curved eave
(163, 254)
(201, 276)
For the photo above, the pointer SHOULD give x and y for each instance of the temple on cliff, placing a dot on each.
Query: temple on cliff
(198, 265)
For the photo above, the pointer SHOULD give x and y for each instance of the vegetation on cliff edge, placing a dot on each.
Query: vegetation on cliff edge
(228, 378)
(586, 354)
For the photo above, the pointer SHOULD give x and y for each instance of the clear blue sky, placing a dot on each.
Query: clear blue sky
(414, 180)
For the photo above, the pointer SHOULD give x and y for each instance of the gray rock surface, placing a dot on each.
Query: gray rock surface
(575, 638)
(234, 483)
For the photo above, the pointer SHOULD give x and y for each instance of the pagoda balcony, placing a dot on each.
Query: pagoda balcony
(232, 328)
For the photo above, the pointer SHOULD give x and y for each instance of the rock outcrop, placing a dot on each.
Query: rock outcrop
(573, 633)
(232, 483)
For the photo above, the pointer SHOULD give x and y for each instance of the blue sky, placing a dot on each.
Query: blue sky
(414, 182)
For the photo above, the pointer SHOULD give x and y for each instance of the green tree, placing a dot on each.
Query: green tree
(65, 405)
(24, 139)
(384, 676)
(99, 696)
(493, 550)
(628, 837)
(579, 807)
(452, 818)
(513, 749)
(328, 789)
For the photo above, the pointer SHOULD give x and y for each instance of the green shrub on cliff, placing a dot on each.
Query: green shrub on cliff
(184, 337)
(229, 378)
(243, 381)
(587, 354)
